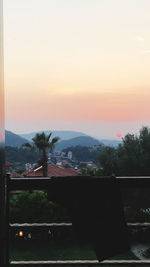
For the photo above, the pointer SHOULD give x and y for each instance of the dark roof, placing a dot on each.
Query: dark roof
(15, 175)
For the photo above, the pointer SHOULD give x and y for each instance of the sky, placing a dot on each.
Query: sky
(77, 65)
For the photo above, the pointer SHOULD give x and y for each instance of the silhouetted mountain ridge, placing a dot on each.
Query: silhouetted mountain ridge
(64, 135)
(111, 142)
(66, 139)
(14, 140)
(87, 141)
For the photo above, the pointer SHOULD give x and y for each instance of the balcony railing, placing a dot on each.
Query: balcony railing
(43, 183)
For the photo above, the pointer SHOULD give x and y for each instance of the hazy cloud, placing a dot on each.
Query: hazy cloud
(147, 51)
(139, 38)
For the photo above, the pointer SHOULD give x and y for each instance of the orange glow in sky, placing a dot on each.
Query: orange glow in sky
(77, 60)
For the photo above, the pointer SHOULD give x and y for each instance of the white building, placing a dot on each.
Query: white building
(28, 166)
(69, 155)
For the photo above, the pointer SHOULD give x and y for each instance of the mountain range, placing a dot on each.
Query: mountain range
(77, 141)
(67, 139)
(63, 135)
(14, 140)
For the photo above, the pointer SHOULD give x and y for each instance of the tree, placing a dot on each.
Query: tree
(144, 139)
(42, 142)
(108, 160)
(134, 154)
(35, 207)
(129, 156)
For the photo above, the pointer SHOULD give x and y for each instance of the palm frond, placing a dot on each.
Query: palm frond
(42, 142)
(48, 137)
(55, 139)
(53, 142)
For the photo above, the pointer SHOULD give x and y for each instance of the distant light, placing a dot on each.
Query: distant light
(119, 135)
(20, 233)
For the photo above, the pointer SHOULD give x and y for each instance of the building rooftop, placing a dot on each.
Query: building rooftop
(53, 170)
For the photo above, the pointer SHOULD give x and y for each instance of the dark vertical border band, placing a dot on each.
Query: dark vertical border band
(4, 258)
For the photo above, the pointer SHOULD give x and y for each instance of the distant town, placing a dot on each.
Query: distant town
(74, 151)
(62, 160)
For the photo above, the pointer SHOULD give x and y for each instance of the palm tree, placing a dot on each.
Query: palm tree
(42, 142)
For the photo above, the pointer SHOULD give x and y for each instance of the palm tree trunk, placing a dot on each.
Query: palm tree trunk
(44, 163)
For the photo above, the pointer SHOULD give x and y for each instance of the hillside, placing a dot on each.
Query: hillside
(82, 153)
(85, 141)
(20, 155)
(64, 135)
(67, 139)
(14, 140)
(110, 142)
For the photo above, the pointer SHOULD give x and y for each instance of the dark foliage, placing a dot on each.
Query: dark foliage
(33, 207)
(14, 154)
(131, 158)
(83, 153)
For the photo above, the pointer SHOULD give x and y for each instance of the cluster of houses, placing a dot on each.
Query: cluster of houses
(53, 170)
(64, 159)
(59, 164)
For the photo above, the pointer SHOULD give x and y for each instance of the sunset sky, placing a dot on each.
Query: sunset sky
(77, 65)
